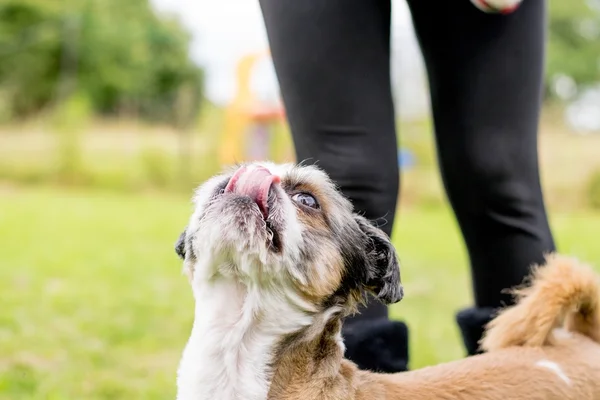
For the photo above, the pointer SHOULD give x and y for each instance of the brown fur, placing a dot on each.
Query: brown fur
(325, 267)
(521, 342)
(324, 271)
(564, 293)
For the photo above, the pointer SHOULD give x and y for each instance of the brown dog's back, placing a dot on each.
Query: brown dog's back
(563, 293)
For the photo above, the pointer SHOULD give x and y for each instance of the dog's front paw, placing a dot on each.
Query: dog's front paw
(497, 6)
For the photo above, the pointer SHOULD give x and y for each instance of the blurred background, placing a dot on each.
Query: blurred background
(111, 112)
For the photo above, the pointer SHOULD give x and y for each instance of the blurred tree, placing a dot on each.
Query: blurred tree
(121, 55)
(573, 42)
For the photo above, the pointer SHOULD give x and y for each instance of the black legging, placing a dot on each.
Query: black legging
(332, 59)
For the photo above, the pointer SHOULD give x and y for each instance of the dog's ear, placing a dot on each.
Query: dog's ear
(180, 245)
(382, 263)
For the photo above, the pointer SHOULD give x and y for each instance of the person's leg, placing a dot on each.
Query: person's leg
(486, 74)
(332, 60)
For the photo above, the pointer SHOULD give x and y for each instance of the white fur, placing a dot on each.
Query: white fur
(561, 333)
(554, 367)
(235, 332)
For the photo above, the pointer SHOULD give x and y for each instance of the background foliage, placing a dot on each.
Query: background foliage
(573, 42)
(121, 55)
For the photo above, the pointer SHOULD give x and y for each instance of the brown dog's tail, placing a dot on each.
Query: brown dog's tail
(563, 293)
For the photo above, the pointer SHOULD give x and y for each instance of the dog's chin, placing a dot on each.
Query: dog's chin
(237, 230)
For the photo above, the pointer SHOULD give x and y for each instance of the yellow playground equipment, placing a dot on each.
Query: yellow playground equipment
(246, 112)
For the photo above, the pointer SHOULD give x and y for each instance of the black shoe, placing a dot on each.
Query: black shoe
(377, 345)
(472, 322)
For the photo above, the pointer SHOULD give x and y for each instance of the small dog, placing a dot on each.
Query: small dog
(276, 258)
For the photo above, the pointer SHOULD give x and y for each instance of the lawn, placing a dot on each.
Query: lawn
(94, 306)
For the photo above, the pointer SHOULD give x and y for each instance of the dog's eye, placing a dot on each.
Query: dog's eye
(306, 200)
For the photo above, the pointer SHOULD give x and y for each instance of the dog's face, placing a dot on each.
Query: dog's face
(271, 226)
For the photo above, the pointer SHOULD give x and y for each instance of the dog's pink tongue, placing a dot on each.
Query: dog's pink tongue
(254, 183)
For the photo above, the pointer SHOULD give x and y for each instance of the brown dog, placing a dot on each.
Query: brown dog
(276, 259)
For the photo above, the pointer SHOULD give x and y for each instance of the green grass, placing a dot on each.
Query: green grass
(93, 304)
